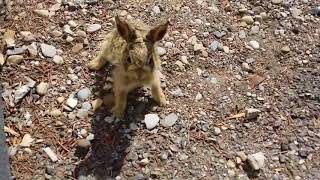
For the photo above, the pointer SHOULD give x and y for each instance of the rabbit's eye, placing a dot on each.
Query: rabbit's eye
(129, 60)
(150, 62)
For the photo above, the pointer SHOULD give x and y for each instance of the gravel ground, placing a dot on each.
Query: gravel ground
(242, 78)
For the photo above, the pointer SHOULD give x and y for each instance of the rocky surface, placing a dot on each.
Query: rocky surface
(242, 78)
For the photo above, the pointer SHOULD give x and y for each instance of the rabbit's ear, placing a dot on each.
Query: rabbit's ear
(125, 31)
(157, 33)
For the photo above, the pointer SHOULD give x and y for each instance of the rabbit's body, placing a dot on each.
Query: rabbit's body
(131, 47)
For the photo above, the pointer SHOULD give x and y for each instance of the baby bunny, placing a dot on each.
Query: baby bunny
(132, 48)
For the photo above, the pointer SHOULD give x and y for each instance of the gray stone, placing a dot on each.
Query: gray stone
(56, 33)
(109, 119)
(86, 105)
(316, 11)
(285, 49)
(216, 131)
(20, 93)
(169, 120)
(276, 1)
(133, 126)
(231, 164)
(198, 47)
(42, 12)
(245, 67)
(248, 19)
(198, 97)
(67, 29)
(252, 113)
(168, 45)
(15, 51)
(255, 30)
(93, 28)
(256, 161)
(242, 34)
(33, 49)
(55, 113)
(151, 120)
(81, 33)
(161, 51)
(72, 103)
(156, 10)
(82, 113)
(90, 137)
(242, 156)
(177, 93)
(72, 23)
(27, 36)
(84, 94)
(219, 34)
(254, 44)
(58, 59)
(12, 151)
(215, 45)
(295, 12)
(164, 156)
(48, 50)
(250, 60)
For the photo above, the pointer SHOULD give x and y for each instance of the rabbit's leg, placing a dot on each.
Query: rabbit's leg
(120, 97)
(157, 92)
(98, 61)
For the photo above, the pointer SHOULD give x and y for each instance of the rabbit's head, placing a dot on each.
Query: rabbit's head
(138, 56)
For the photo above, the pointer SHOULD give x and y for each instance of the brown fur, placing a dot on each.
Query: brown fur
(132, 48)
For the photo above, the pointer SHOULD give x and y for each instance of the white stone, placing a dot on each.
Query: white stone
(51, 154)
(169, 120)
(72, 103)
(151, 120)
(93, 28)
(254, 44)
(256, 161)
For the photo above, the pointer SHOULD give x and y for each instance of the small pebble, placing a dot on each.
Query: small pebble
(48, 50)
(254, 44)
(216, 131)
(42, 88)
(93, 28)
(83, 143)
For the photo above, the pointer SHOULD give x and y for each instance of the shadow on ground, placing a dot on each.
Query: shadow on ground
(112, 141)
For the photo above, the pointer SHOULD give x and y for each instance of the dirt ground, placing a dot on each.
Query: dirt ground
(222, 61)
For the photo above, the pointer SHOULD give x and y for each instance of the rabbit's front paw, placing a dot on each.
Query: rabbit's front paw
(96, 64)
(163, 101)
(118, 112)
(93, 66)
